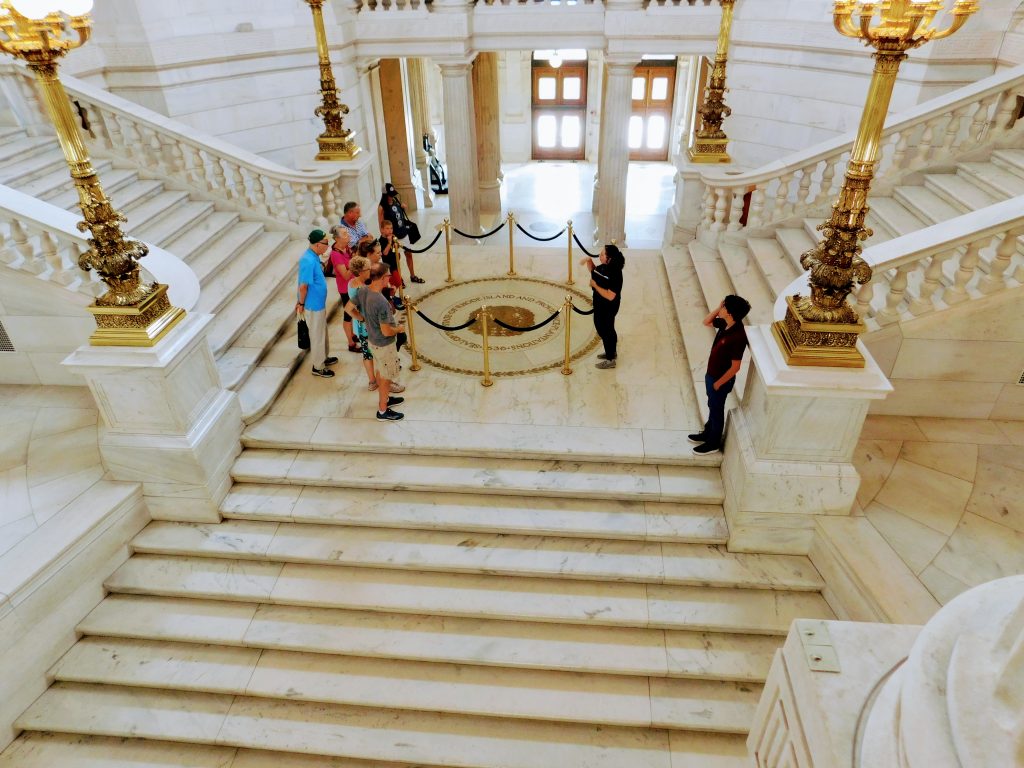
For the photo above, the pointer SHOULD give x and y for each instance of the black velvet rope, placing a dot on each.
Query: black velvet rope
(579, 311)
(528, 327)
(583, 247)
(540, 239)
(447, 327)
(427, 248)
(483, 236)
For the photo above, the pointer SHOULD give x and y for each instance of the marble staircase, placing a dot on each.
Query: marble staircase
(245, 268)
(760, 267)
(559, 606)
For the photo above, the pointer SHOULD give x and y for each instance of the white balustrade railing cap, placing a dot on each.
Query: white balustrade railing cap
(940, 105)
(182, 282)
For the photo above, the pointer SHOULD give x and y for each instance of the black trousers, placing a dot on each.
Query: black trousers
(604, 324)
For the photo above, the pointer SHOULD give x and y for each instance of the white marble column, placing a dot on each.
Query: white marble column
(488, 140)
(460, 144)
(789, 446)
(397, 129)
(167, 421)
(419, 105)
(613, 154)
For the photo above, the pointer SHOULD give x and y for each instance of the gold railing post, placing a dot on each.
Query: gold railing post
(448, 249)
(567, 309)
(410, 311)
(823, 328)
(131, 313)
(486, 381)
(511, 221)
(569, 232)
(710, 141)
(335, 143)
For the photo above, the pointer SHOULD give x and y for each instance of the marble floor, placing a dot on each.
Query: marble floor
(651, 387)
(948, 496)
(48, 455)
(543, 195)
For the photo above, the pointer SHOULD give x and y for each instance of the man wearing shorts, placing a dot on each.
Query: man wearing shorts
(375, 311)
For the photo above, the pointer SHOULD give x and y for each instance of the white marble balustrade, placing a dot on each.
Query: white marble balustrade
(806, 183)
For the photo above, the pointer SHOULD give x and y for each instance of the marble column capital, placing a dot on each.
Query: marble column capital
(455, 66)
(620, 64)
(365, 66)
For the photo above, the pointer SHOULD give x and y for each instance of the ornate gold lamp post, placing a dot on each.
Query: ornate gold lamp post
(822, 329)
(336, 141)
(710, 141)
(130, 313)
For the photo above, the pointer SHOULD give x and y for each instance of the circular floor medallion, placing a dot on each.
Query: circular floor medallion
(518, 301)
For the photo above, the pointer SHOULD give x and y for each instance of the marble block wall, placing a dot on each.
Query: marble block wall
(962, 362)
(947, 495)
(44, 322)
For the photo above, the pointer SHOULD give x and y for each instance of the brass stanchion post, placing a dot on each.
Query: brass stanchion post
(823, 328)
(710, 141)
(511, 220)
(335, 143)
(486, 381)
(569, 228)
(131, 313)
(410, 311)
(448, 249)
(567, 308)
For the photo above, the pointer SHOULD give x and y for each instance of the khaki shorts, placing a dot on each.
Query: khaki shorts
(385, 361)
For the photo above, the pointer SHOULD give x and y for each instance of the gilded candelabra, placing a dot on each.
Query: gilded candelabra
(710, 141)
(130, 313)
(822, 329)
(336, 142)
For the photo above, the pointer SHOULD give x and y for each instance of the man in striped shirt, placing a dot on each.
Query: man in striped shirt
(357, 230)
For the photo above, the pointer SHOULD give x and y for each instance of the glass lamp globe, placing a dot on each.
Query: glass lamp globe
(75, 7)
(39, 9)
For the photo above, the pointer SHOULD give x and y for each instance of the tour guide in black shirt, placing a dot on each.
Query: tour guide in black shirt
(723, 365)
(606, 281)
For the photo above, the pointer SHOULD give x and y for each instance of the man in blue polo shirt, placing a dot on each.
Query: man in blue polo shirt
(312, 303)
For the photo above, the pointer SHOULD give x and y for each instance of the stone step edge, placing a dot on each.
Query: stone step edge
(420, 738)
(59, 673)
(112, 587)
(441, 566)
(576, 448)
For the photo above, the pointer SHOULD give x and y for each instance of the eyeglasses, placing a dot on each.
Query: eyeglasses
(324, 242)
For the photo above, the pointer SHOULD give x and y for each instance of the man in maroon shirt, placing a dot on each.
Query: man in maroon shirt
(723, 365)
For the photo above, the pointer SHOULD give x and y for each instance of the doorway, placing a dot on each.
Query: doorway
(650, 124)
(559, 105)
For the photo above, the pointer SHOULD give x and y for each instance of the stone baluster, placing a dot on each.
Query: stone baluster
(897, 288)
(957, 292)
(736, 209)
(803, 194)
(865, 294)
(303, 214)
(195, 166)
(708, 211)
(755, 218)
(175, 158)
(1005, 251)
(22, 247)
(781, 197)
(949, 142)
(129, 138)
(721, 207)
(265, 196)
(280, 201)
(930, 284)
(924, 146)
(98, 120)
(218, 184)
(900, 152)
(828, 173)
(237, 189)
(1003, 120)
(51, 258)
(330, 202)
(113, 129)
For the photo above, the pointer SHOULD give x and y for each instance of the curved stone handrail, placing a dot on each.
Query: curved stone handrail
(164, 147)
(43, 240)
(933, 268)
(949, 126)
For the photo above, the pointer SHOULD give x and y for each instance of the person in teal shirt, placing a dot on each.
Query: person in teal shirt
(312, 303)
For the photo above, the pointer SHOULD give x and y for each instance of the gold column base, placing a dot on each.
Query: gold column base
(709, 151)
(142, 325)
(337, 148)
(830, 345)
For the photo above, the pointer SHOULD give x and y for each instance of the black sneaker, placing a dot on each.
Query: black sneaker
(330, 361)
(697, 437)
(390, 415)
(707, 448)
(395, 401)
(323, 372)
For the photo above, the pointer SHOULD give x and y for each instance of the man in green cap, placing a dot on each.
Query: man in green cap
(312, 303)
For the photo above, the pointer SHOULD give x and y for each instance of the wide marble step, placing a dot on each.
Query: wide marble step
(244, 265)
(23, 170)
(333, 730)
(999, 182)
(193, 242)
(144, 215)
(479, 513)
(715, 283)
(958, 191)
(572, 697)
(1009, 159)
(795, 241)
(706, 609)
(441, 639)
(895, 217)
(747, 281)
(925, 204)
(511, 477)
(182, 218)
(222, 243)
(19, 146)
(496, 441)
(462, 552)
(58, 180)
(123, 188)
(773, 263)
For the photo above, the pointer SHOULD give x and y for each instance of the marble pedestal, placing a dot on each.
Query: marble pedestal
(789, 447)
(167, 421)
(685, 214)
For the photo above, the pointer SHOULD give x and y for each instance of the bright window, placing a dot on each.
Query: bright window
(571, 131)
(636, 132)
(571, 88)
(655, 132)
(659, 88)
(546, 88)
(639, 84)
(547, 130)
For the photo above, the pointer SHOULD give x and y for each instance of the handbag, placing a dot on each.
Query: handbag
(414, 232)
(303, 335)
(328, 267)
